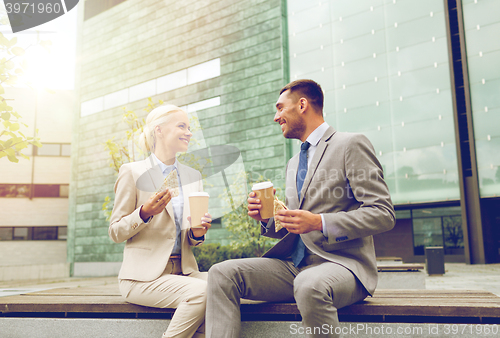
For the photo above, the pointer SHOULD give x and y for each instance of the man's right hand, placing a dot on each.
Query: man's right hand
(254, 207)
(155, 204)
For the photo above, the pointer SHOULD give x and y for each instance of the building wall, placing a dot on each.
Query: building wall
(397, 242)
(137, 44)
(33, 220)
(50, 113)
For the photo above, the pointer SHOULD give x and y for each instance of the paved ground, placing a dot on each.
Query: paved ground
(457, 276)
(472, 277)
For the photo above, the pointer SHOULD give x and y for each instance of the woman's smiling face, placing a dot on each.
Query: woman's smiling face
(176, 132)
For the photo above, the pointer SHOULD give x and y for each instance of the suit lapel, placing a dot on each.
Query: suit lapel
(154, 171)
(318, 155)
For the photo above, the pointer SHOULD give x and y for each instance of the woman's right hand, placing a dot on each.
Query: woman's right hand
(155, 204)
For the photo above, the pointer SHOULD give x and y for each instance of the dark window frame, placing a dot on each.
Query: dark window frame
(31, 233)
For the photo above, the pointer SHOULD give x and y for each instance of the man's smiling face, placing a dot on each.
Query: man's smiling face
(288, 115)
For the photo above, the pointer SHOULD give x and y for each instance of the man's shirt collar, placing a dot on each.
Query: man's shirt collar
(317, 134)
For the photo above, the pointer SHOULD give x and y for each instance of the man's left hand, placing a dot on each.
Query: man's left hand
(299, 221)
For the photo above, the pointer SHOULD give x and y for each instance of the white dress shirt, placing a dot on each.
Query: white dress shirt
(177, 202)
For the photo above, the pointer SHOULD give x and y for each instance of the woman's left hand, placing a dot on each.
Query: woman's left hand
(206, 223)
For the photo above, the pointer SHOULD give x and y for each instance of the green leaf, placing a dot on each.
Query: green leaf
(21, 145)
(24, 156)
(12, 158)
(6, 116)
(11, 154)
(7, 124)
(18, 51)
(14, 127)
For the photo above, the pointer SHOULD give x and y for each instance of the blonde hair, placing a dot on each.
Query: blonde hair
(156, 117)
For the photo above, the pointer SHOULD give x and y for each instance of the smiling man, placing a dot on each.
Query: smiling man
(337, 200)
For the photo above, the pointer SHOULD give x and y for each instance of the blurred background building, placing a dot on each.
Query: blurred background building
(34, 192)
(419, 78)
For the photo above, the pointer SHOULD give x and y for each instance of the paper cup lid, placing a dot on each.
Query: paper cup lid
(262, 185)
(198, 194)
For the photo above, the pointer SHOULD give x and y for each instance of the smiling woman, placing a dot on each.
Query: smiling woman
(159, 268)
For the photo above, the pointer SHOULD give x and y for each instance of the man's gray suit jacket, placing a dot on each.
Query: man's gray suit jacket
(344, 182)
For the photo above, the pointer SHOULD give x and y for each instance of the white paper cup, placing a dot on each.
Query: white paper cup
(264, 192)
(198, 205)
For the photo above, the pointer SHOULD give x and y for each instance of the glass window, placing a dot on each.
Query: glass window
(482, 26)
(453, 235)
(171, 81)
(44, 233)
(62, 233)
(15, 190)
(403, 214)
(46, 190)
(6, 234)
(205, 104)
(66, 150)
(426, 232)
(437, 212)
(64, 190)
(438, 227)
(142, 91)
(49, 149)
(21, 234)
(203, 71)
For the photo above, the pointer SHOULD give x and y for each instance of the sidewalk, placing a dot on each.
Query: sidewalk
(471, 277)
(457, 276)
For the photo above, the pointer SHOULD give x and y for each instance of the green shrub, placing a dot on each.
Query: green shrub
(210, 254)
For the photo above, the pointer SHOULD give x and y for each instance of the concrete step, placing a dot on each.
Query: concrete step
(154, 328)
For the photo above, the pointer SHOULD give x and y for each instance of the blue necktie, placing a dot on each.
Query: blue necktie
(299, 250)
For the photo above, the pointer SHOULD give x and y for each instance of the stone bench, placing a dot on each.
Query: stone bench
(100, 311)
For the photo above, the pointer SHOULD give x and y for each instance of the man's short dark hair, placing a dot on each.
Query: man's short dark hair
(309, 89)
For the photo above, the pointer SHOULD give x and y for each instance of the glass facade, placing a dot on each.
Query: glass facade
(435, 227)
(383, 65)
(482, 28)
(438, 227)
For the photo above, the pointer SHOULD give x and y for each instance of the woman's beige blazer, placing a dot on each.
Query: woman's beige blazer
(149, 245)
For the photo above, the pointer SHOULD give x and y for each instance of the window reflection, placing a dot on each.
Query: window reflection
(426, 232)
(438, 227)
